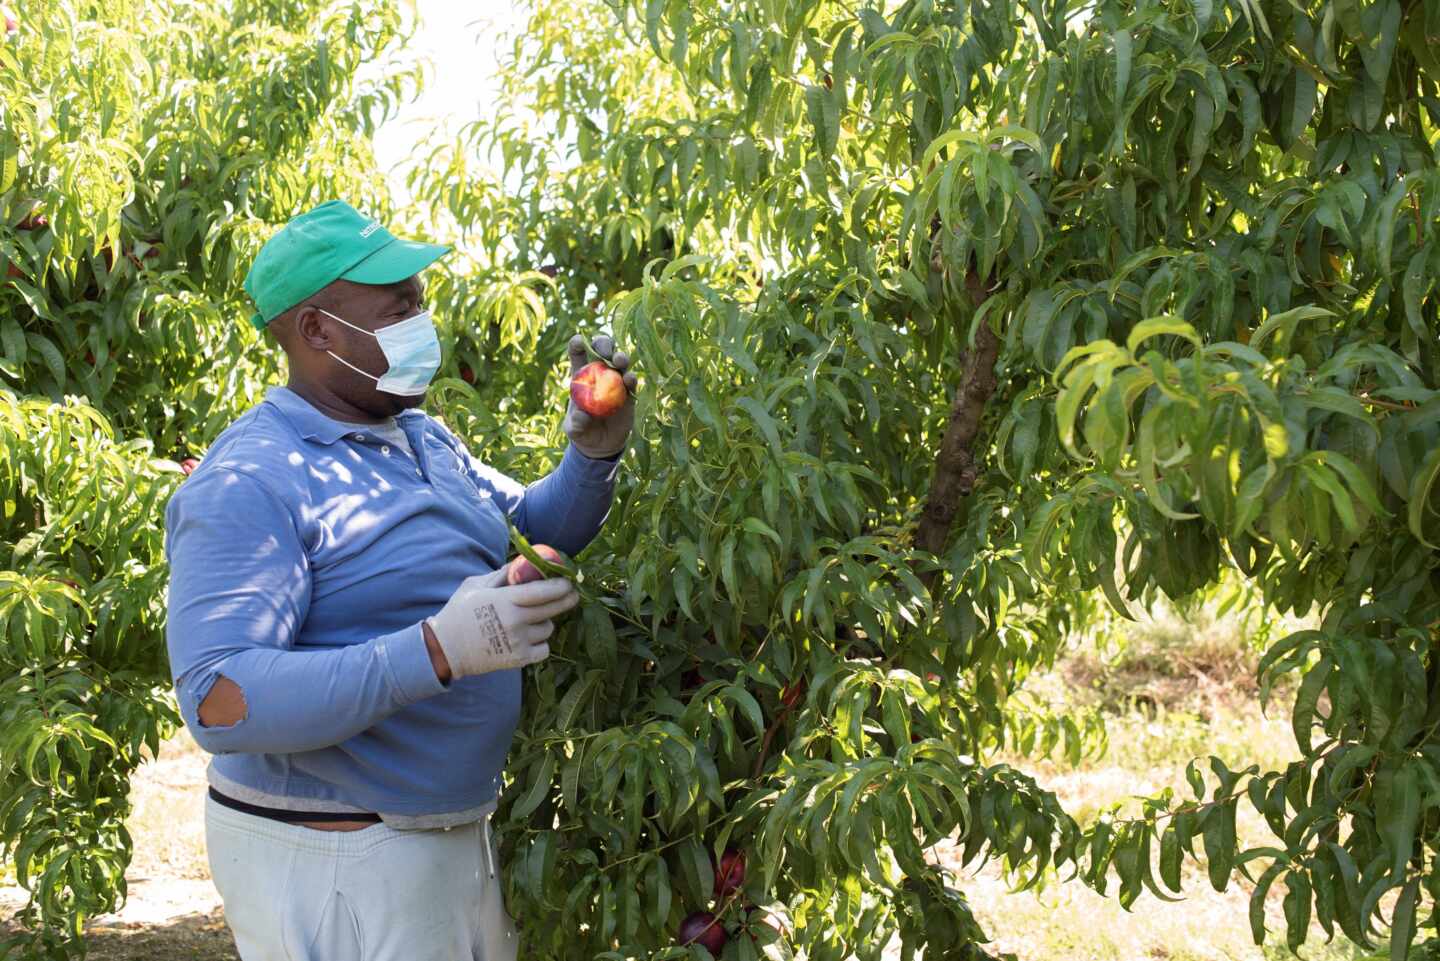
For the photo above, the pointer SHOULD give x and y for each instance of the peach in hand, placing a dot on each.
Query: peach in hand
(598, 389)
(521, 571)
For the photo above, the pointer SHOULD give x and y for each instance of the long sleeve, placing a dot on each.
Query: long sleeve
(565, 509)
(240, 586)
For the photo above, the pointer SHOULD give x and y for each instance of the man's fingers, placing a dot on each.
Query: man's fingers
(603, 345)
(620, 361)
(539, 592)
(577, 353)
(495, 578)
(541, 613)
(537, 654)
(632, 381)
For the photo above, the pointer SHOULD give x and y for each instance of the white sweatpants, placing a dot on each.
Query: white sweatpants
(292, 893)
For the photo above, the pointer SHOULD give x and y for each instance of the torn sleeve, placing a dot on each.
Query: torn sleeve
(239, 592)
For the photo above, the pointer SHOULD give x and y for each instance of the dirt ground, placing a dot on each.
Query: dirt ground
(173, 911)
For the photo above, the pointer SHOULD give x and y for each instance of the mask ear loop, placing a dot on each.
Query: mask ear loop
(352, 366)
(348, 324)
(342, 359)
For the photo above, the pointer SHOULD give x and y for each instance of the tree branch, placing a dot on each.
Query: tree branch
(955, 466)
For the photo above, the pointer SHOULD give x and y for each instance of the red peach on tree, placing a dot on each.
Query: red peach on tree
(704, 929)
(729, 873)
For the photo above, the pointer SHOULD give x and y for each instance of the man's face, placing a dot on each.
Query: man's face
(369, 308)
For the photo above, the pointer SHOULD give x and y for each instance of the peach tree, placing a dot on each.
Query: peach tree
(959, 323)
(146, 149)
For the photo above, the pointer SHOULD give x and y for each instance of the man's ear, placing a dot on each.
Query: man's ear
(310, 329)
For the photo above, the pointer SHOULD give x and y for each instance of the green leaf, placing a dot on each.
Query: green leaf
(570, 778)
(1170, 858)
(1122, 42)
(49, 353)
(1297, 909)
(823, 111)
(1420, 487)
(13, 339)
(1399, 793)
(1403, 921)
(1307, 701)
(1284, 323)
(1219, 838)
(541, 781)
(1297, 104)
(1377, 51)
(757, 526)
(696, 870)
(1156, 326)
(764, 421)
(1416, 283)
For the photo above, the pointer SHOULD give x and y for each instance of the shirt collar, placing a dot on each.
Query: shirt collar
(310, 423)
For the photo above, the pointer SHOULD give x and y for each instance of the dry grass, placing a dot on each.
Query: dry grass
(168, 820)
(1172, 688)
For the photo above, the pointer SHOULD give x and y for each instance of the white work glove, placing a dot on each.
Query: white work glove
(487, 626)
(601, 437)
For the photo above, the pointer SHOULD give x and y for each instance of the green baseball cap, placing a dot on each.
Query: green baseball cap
(332, 242)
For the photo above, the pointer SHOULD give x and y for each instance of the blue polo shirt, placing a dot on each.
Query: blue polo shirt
(304, 554)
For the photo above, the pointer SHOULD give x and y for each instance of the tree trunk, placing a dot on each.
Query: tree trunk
(955, 466)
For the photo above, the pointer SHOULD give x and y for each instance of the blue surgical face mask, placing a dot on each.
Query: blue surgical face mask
(411, 349)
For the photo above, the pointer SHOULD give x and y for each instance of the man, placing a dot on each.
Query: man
(340, 633)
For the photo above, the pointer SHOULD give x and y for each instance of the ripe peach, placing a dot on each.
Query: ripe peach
(467, 373)
(188, 465)
(703, 928)
(521, 571)
(598, 389)
(730, 872)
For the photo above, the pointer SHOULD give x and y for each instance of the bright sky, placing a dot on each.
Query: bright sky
(459, 38)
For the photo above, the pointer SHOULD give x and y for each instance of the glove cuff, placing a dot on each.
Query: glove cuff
(595, 454)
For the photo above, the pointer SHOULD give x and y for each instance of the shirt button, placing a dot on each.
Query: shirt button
(359, 437)
(385, 450)
(419, 472)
